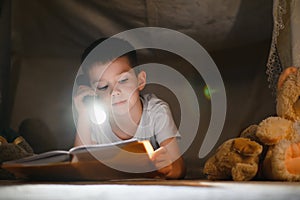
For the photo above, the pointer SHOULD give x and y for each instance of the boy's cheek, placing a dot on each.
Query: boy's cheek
(128, 89)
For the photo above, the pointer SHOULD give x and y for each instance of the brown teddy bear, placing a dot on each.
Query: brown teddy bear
(235, 159)
(279, 136)
(12, 146)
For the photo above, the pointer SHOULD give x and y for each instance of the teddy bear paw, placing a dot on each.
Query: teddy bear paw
(243, 171)
(292, 159)
(282, 162)
(273, 129)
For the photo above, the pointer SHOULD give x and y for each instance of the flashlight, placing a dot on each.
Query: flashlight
(96, 111)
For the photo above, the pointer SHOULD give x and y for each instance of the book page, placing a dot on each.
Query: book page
(43, 158)
(100, 146)
(126, 159)
(128, 156)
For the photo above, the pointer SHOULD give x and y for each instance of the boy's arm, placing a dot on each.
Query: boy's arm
(83, 136)
(168, 160)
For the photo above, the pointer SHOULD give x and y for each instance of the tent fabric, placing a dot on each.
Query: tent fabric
(48, 37)
(4, 60)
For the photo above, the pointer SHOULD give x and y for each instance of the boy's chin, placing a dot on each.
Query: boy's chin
(120, 112)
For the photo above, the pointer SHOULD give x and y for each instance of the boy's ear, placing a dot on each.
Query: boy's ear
(141, 80)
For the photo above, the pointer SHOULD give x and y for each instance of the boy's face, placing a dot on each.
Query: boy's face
(117, 85)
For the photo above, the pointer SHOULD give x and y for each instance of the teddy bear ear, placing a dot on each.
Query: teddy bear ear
(246, 147)
(284, 74)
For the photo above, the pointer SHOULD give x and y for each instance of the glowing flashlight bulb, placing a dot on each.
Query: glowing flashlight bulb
(99, 113)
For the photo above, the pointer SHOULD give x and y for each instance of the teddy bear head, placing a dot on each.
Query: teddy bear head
(286, 125)
(288, 94)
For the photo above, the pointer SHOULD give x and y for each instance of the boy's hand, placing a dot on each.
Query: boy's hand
(162, 161)
(82, 92)
(83, 136)
(168, 161)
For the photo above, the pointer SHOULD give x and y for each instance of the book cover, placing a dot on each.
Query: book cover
(125, 159)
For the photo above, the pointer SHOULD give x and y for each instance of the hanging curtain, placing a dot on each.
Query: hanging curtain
(285, 47)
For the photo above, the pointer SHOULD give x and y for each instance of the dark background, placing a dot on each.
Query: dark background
(41, 42)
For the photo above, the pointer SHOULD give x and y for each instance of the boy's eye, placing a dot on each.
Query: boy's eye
(123, 80)
(102, 87)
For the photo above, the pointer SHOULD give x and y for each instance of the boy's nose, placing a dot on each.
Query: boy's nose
(115, 91)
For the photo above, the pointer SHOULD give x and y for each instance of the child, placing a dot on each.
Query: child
(117, 86)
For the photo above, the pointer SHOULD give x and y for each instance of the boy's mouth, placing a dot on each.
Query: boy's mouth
(119, 102)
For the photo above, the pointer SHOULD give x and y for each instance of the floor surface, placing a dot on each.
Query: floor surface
(150, 189)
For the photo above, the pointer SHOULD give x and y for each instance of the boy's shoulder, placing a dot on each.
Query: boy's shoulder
(151, 101)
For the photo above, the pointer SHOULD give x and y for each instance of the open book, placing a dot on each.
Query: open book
(125, 159)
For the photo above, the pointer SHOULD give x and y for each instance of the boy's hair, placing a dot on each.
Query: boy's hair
(112, 51)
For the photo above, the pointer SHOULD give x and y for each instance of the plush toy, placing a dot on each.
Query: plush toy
(235, 159)
(279, 136)
(12, 146)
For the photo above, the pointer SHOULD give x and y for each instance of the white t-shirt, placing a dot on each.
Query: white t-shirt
(156, 124)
